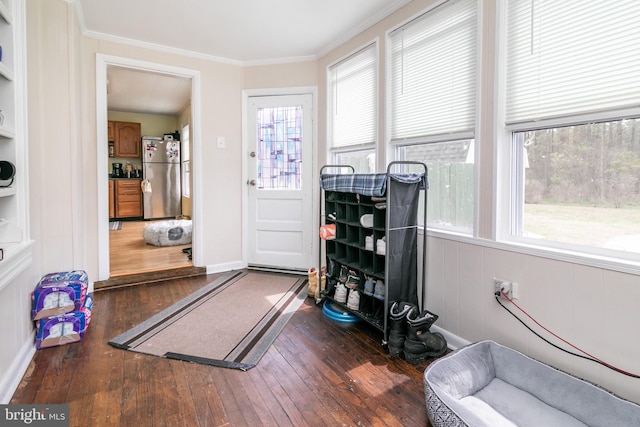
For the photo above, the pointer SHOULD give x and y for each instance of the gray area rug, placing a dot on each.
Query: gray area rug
(230, 323)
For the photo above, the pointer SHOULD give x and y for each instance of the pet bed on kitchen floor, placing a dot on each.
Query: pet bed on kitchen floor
(168, 233)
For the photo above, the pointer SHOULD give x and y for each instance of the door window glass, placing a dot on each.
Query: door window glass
(279, 154)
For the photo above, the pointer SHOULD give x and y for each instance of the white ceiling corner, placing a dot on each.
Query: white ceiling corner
(240, 32)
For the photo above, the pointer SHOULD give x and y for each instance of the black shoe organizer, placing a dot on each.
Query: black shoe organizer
(344, 199)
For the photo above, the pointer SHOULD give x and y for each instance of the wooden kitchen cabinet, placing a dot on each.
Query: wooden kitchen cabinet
(112, 131)
(128, 198)
(112, 200)
(127, 139)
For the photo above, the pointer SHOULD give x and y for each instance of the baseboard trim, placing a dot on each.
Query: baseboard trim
(223, 268)
(454, 342)
(16, 371)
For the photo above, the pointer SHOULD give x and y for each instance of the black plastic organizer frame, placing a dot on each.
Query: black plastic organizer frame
(398, 223)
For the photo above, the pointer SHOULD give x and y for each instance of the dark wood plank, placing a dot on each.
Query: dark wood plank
(318, 372)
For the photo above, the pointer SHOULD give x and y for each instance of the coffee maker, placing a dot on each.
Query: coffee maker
(117, 171)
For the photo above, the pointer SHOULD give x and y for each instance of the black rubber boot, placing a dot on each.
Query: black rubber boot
(398, 326)
(421, 343)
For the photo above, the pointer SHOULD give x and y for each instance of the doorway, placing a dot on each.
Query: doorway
(153, 72)
(280, 181)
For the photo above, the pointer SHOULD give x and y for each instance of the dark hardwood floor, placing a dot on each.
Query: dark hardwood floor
(317, 373)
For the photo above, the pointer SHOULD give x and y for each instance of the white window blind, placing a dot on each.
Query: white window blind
(571, 57)
(433, 72)
(352, 99)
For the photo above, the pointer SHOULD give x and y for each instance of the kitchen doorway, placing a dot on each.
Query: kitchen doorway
(120, 255)
(130, 254)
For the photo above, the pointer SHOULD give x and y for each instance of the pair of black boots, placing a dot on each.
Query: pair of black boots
(409, 333)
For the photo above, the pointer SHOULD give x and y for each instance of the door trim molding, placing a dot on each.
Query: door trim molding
(301, 90)
(102, 62)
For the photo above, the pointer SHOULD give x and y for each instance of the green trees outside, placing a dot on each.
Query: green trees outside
(596, 164)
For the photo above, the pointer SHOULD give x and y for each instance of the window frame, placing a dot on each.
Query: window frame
(334, 151)
(509, 172)
(395, 146)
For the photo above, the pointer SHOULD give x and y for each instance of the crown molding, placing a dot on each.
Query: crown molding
(393, 6)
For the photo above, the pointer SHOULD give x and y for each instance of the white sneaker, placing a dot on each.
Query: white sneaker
(366, 220)
(368, 243)
(341, 293)
(381, 246)
(354, 300)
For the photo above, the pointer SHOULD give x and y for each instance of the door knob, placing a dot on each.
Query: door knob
(251, 182)
(252, 154)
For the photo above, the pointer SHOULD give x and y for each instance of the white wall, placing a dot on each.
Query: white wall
(57, 216)
(594, 309)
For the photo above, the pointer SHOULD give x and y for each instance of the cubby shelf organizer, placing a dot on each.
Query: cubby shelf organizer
(392, 199)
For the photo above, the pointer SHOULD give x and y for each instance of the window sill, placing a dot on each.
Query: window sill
(591, 260)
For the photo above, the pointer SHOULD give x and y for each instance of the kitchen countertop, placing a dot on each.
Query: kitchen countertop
(124, 177)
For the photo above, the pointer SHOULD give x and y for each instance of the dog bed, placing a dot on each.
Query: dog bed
(168, 233)
(487, 384)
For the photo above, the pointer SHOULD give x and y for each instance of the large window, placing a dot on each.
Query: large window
(432, 106)
(572, 117)
(353, 110)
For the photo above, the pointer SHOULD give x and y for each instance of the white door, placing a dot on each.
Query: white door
(280, 187)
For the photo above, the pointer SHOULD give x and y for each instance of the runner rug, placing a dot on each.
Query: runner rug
(230, 323)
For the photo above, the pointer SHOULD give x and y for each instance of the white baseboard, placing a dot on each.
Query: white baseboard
(14, 374)
(454, 342)
(221, 268)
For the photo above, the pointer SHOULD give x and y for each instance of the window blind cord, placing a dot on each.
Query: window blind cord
(335, 89)
(532, 29)
(588, 355)
(402, 62)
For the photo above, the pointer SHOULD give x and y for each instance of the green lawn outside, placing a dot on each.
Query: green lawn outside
(584, 225)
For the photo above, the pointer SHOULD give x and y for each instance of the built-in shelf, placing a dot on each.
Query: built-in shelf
(16, 257)
(7, 133)
(5, 13)
(5, 71)
(15, 246)
(7, 191)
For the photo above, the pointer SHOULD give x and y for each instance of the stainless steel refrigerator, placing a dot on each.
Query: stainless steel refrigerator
(161, 187)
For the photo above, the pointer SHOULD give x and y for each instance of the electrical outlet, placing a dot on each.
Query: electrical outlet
(514, 291)
(509, 288)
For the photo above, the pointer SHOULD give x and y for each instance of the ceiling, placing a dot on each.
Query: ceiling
(242, 32)
(142, 91)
